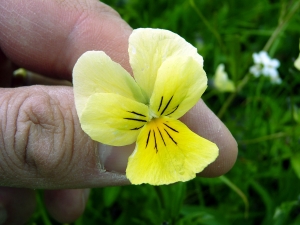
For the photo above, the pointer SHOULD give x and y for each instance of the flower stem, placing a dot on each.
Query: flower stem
(264, 138)
(232, 96)
(43, 212)
(238, 191)
(205, 21)
(281, 26)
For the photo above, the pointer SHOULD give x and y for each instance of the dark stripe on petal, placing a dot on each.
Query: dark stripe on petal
(173, 110)
(171, 137)
(136, 113)
(148, 138)
(135, 119)
(155, 147)
(137, 128)
(171, 128)
(161, 100)
(161, 136)
(166, 105)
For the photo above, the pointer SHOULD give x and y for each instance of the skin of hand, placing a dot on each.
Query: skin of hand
(42, 145)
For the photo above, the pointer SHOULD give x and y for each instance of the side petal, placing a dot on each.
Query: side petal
(112, 119)
(179, 85)
(167, 152)
(94, 72)
(149, 48)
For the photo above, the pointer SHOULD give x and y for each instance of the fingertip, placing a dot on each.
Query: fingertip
(66, 206)
(223, 163)
(204, 122)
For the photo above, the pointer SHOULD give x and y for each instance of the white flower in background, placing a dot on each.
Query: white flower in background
(264, 65)
(221, 81)
(276, 80)
(297, 62)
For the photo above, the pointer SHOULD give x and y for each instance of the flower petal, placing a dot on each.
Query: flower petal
(94, 72)
(264, 58)
(112, 119)
(167, 152)
(149, 48)
(297, 63)
(179, 85)
(274, 63)
(221, 81)
(256, 58)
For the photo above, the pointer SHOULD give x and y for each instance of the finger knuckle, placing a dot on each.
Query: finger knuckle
(46, 149)
(37, 127)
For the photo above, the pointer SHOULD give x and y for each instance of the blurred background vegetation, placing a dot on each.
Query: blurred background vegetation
(263, 187)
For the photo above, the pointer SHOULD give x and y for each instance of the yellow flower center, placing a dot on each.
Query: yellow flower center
(158, 133)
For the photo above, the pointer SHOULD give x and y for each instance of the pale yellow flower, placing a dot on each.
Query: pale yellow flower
(297, 61)
(116, 109)
(221, 80)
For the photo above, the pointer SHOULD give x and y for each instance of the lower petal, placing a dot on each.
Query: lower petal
(167, 152)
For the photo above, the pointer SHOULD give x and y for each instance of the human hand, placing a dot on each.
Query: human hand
(42, 145)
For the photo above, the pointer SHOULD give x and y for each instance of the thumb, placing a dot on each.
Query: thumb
(42, 144)
(48, 37)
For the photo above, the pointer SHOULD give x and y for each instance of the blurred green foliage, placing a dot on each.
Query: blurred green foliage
(264, 186)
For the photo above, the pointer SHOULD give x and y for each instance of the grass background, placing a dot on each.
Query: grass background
(263, 187)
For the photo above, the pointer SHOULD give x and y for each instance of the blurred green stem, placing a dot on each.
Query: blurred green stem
(232, 96)
(200, 194)
(264, 138)
(238, 191)
(42, 209)
(266, 198)
(207, 24)
(282, 25)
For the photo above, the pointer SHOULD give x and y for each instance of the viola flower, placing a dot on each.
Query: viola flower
(264, 65)
(116, 109)
(221, 80)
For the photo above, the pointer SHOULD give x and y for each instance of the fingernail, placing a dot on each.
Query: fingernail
(3, 214)
(104, 152)
(114, 159)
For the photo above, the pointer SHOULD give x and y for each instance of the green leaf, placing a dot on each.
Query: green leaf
(295, 161)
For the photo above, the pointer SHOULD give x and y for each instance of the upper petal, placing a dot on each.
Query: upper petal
(150, 48)
(179, 85)
(113, 119)
(94, 72)
(167, 152)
